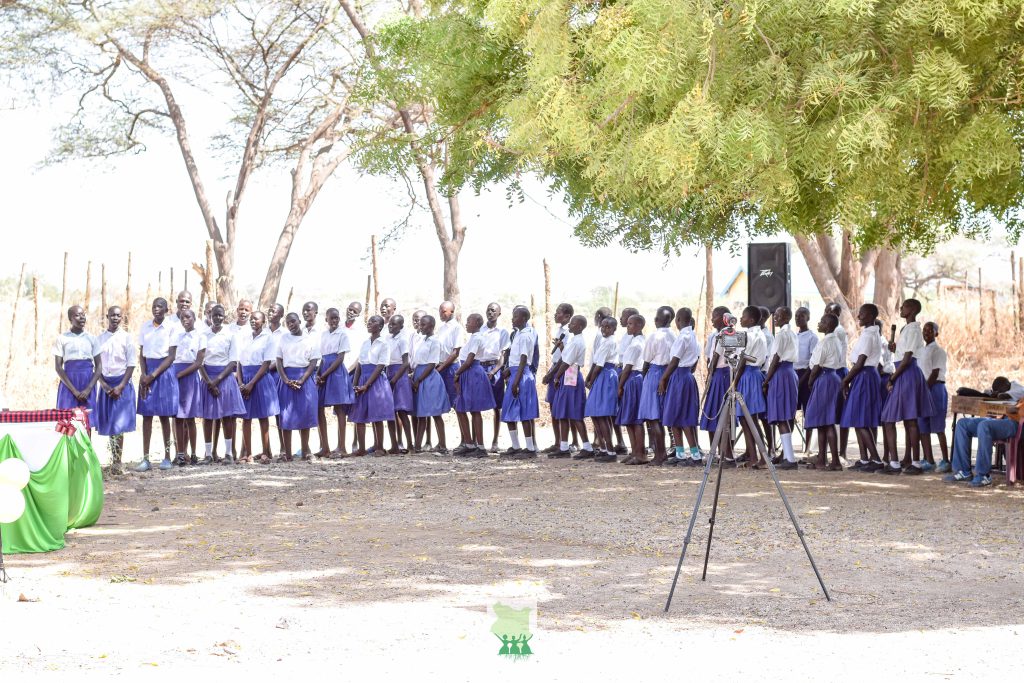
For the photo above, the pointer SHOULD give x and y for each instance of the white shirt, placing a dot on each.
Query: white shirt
(575, 351)
(757, 346)
(869, 344)
(374, 352)
(450, 336)
(686, 348)
(806, 341)
(658, 347)
(829, 353)
(844, 342)
(522, 345)
(888, 367)
(911, 340)
(117, 352)
(474, 344)
(634, 351)
(398, 345)
(932, 356)
(784, 346)
(221, 347)
(494, 341)
(257, 350)
(427, 351)
(1016, 391)
(71, 346)
(561, 333)
(298, 351)
(624, 341)
(156, 341)
(414, 343)
(334, 342)
(311, 331)
(769, 345)
(188, 344)
(199, 325)
(357, 334)
(605, 351)
(235, 328)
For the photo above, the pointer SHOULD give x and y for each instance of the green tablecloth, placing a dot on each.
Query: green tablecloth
(65, 494)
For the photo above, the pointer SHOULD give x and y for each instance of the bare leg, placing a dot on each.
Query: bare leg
(926, 447)
(497, 426)
(246, 438)
(691, 436)
(321, 429)
(147, 434)
(867, 444)
(478, 429)
(342, 418)
(619, 443)
(304, 440)
(216, 436)
(378, 436)
(913, 437)
(464, 433)
(406, 424)
(288, 443)
(439, 425)
(165, 432)
(844, 437)
(392, 428)
(265, 436)
(830, 434)
(944, 446)
(360, 436)
(658, 437)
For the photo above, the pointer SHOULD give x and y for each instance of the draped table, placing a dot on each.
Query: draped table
(65, 488)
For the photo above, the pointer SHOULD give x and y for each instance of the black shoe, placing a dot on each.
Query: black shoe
(583, 455)
(859, 465)
(525, 454)
(621, 450)
(478, 453)
(180, 460)
(912, 470)
(208, 460)
(510, 452)
(786, 465)
(778, 460)
(873, 466)
(606, 457)
(193, 460)
(886, 469)
(464, 450)
(560, 454)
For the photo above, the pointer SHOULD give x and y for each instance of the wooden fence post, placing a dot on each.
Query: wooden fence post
(103, 289)
(366, 307)
(208, 276)
(1013, 281)
(14, 321)
(547, 312)
(35, 327)
(63, 295)
(127, 313)
(87, 304)
(376, 277)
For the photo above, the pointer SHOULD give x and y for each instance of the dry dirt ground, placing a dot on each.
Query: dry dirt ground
(387, 566)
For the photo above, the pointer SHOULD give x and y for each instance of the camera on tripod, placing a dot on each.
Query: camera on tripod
(732, 342)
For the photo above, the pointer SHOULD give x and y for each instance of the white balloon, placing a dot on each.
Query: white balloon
(12, 504)
(15, 472)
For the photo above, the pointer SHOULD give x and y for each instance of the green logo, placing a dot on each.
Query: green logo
(512, 628)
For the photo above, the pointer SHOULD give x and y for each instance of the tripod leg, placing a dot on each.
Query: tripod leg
(714, 512)
(716, 441)
(785, 501)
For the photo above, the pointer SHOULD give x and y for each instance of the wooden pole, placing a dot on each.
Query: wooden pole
(615, 305)
(14, 320)
(1013, 281)
(208, 276)
(149, 293)
(1020, 290)
(35, 328)
(171, 297)
(366, 306)
(186, 280)
(88, 289)
(160, 285)
(709, 287)
(103, 289)
(981, 304)
(127, 314)
(288, 306)
(547, 312)
(376, 277)
(63, 295)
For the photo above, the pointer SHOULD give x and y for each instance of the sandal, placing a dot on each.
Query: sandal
(635, 461)
(264, 460)
(834, 467)
(284, 458)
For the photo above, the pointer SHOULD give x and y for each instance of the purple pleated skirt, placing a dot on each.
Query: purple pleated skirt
(821, 406)
(750, 386)
(682, 400)
(190, 388)
(570, 401)
(162, 399)
(228, 401)
(862, 408)
(111, 416)
(79, 372)
(603, 400)
(629, 404)
(431, 397)
(783, 394)
(377, 403)
(337, 390)
(298, 406)
(651, 402)
(935, 424)
(909, 398)
(448, 376)
(475, 391)
(263, 401)
(523, 407)
(803, 391)
(714, 399)
(883, 388)
(401, 390)
(497, 383)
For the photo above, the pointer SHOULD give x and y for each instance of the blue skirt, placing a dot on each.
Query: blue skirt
(629, 404)
(821, 406)
(475, 392)
(523, 407)
(883, 389)
(377, 403)
(298, 406)
(497, 383)
(431, 396)
(162, 399)
(783, 394)
(570, 402)
(113, 417)
(337, 390)
(401, 390)
(935, 424)
(862, 408)
(448, 375)
(714, 399)
(803, 392)
(750, 387)
(651, 402)
(910, 398)
(190, 389)
(262, 401)
(682, 399)
(79, 372)
(228, 401)
(603, 400)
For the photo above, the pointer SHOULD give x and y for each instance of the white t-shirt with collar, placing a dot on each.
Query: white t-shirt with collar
(784, 345)
(686, 348)
(658, 347)
(155, 340)
(829, 353)
(605, 351)
(221, 347)
(633, 355)
(869, 344)
(71, 346)
(575, 351)
(117, 352)
(930, 357)
(257, 350)
(298, 351)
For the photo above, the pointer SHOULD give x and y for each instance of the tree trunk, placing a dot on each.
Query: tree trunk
(888, 285)
(824, 279)
(275, 271)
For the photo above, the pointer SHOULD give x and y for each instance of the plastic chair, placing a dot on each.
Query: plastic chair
(1011, 447)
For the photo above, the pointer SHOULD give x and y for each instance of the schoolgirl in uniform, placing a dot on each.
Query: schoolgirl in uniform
(563, 314)
(275, 323)
(781, 386)
(375, 403)
(429, 392)
(473, 389)
(657, 353)
(519, 404)
(717, 382)
(862, 408)
(221, 400)
(333, 381)
(679, 388)
(298, 354)
(820, 414)
(570, 393)
(932, 359)
(451, 337)
(78, 364)
(623, 341)
(310, 311)
(115, 401)
(751, 382)
(190, 345)
(257, 354)
(495, 342)
(603, 385)
(401, 387)
(909, 397)
(631, 382)
(158, 388)
(844, 341)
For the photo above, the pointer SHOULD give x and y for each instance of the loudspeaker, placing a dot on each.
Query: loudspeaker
(768, 275)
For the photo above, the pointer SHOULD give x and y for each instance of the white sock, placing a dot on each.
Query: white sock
(514, 435)
(917, 463)
(209, 449)
(530, 445)
(787, 447)
(863, 461)
(587, 446)
(227, 446)
(895, 464)
(563, 445)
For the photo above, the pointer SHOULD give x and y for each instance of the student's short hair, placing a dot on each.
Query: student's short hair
(426, 316)
(933, 324)
(720, 310)
(297, 316)
(471, 316)
(332, 310)
(666, 310)
(522, 309)
(609, 320)
(802, 308)
(1001, 384)
(684, 313)
(831, 320)
(765, 313)
(643, 320)
(914, 304)
(872, 309)
(313, 304)
(629, 311)
(565, 308)
(753, 312)
(160, 300)
(604, 312)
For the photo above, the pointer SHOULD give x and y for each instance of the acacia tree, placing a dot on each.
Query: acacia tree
(282, 67)
(892, 123)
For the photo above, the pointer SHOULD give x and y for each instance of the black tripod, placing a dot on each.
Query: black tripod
(724, 430)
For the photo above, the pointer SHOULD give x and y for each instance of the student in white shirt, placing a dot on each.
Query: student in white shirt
(78, 364)
(190, 345)
(115, 400)
(769, 336)
(563, 314)
(780, 386)
(862, 409)
(603, 385)
(333, 382)
(401, 386)
(375, 403)
(519, 404)
(657, 353)
(623, 341)
(450, 336)
(429, 391)
(222, 399)
(751, 381)
(570, 398)
(825, 384)
(932, 359)
(298, 354)
(257, 353)
(909, 398)
(355, 328)
(474, 390)
(495, 342)
(183, 303)
(717, 382)
(806, 340)
(844, 341)
(158, 388)
(631, 381)
(682, 397)
(310, 311)
(242, 313)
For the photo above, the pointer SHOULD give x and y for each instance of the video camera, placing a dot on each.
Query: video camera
(729, 338)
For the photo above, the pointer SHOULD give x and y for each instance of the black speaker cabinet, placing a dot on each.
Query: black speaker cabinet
(768, 282)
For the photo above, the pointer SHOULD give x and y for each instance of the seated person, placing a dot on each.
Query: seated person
(988, 430)
(1002, 388)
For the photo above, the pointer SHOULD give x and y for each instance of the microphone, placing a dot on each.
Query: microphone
(892, 334)
(558, 341)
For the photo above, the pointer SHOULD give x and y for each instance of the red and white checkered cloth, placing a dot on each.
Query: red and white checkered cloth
(63, 418)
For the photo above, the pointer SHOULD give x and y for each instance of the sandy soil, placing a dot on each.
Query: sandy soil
(384, 566)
